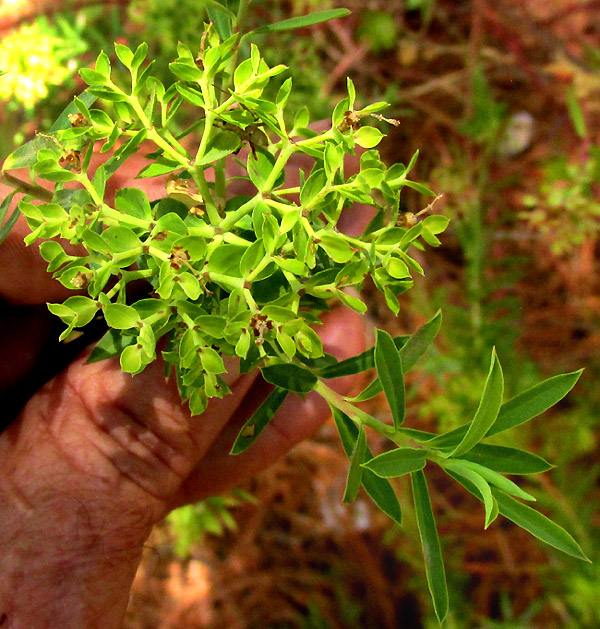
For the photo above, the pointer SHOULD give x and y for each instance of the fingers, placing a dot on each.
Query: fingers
(344, 335)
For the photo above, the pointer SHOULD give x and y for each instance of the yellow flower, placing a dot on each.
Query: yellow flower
(32, 61)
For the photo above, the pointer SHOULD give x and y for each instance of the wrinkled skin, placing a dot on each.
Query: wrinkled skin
(96, 457)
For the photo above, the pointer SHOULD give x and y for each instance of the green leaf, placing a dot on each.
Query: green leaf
(576, 113)
(284, 93)
(6, 227)
(417, 343)
(158, 168)
(302, 21)
(124, 54)
(538, 525)
(92, 77)
(132, 359)
(221, 17)
(26, 155)
(487, 412)
(221, 144)
(485, 493)
(290, 377)
(252, 257)
(432, 552)
(534, 401)
(356, 364)
(379, 489)
(120, 316)
(312, 187)
(336, 247)
(124, 152)
(190, 284)
(494, 478)
(121, 239)
(133, 202)
(397, 268)
(412, 349)
(63, 122)
(186, 71)
(507, 460)
(212, 361)
(140, 54)
(436, 224)
(190, 94)
(260, 418)
(390, 374)
(368, 137)
(397, 462)
(520, 409)
(110, 345)
(355, 470)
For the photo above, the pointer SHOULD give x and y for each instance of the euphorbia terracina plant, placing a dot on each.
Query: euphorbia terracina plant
(247, 276)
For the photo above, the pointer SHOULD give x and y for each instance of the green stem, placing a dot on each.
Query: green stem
(31, 189)
(241, 14)
(233, 217)
(259, 267)
(153, 134)
(211, 208)
(118, 218)
(355, 414)
(282, 159)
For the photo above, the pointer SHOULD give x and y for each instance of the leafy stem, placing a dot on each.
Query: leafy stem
(30, 189)
(356, 414)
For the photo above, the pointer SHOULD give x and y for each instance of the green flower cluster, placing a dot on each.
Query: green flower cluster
(241, 275)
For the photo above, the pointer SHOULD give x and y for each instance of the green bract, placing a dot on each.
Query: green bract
(247, 274)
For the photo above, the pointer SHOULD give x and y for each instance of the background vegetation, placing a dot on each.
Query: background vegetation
(503, 100)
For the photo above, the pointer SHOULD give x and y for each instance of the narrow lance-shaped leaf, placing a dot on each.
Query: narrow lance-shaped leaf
(520, 409)
(538, 525)
(496, 479)
(290, 377)
(302, 21)
(379, 489)
(357, 364)
(487, 411)
(259, 420)
(355, 470)
(410, 352)
(8, 225)
(507, 460)
(432, 552)
(489, 502)
(534, 401)
(391, 376)
(397, 462)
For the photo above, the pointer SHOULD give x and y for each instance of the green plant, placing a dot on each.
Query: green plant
(247, 275)
(190, 523)
(566, 207)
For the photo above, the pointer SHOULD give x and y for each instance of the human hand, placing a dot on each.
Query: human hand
(95, 458)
